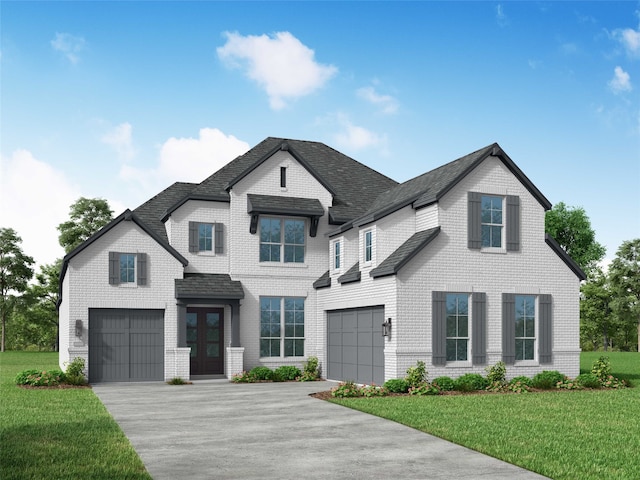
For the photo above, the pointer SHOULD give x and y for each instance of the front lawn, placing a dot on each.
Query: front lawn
(559, 434)
(58, 433)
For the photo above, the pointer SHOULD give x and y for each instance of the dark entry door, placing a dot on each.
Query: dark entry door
(205, 336)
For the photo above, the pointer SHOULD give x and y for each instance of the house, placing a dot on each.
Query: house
(294, 249)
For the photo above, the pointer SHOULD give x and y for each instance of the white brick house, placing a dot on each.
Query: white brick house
(294, 249)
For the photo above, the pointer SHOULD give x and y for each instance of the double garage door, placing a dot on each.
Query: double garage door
(126, 345)
(355, 345)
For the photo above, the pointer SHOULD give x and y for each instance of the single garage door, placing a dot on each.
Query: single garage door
(126, 345)
(355, 345)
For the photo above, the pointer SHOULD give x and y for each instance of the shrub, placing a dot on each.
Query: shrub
(497, 373)
(568, 384)
(40, 378)
(397, 385)
(588, 380)
(286, 373)
(261, 373)
(311, 370)
(613, 382)
(416, 374)
(547, 379)
(346, 389)
(243, 377)
(74, 374)
(519, 385)
(373, 391)
(521, 379)
(601, 368)
(176, 381)
(470, 382)
(445, 384)
(424, 388)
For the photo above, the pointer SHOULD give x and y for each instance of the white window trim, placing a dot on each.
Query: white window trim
(535, 361)
(366, 262)
(283, 357)
(133, 284)
(467, 362)
(337, 241)
(282, 263)
(503, 232)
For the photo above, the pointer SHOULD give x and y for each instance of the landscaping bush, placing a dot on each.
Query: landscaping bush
(74, 374)
(519, 385)
(547, 379)
(373, 391)
(311, 370)
(601, 368)
(445, 384)
(176, 381)
(261, 373)
(286, 373)
(497, 373)
(424, 388)
(416, 374)
(346, 389)
(470, 382)
(40, 378)
(397, 385)
(588, 380)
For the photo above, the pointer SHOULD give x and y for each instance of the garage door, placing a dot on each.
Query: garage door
(355, 345)
(126, 345)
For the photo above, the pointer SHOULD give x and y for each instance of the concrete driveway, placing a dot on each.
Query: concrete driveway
(214, 429)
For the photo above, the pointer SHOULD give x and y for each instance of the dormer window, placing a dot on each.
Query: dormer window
(368, 246)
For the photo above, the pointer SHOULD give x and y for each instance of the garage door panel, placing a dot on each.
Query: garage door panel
(355, 346)
(126, 345)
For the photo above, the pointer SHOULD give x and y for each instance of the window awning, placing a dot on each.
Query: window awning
(291, 206)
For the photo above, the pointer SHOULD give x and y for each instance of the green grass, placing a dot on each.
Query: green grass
(559, 434)
(61, 433)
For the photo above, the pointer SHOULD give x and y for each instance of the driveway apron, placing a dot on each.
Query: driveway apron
(214, 429)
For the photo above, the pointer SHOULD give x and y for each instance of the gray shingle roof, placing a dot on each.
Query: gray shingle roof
(405, 252)
(284, 205)
(352, 275)
(152, 211)
(208, 286)
(323, 282)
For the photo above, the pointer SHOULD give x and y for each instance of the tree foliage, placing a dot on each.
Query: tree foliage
(624, 274)
(15, 273)
(571, 228)
(86, 217)
(595, 312)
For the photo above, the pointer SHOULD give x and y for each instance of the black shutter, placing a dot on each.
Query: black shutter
(474, 224)
(513, 223)
(479, 328)
(439, 331)
(509, 328)
(193, 237)
(218, 237)
(114, 268)
(142, 268)
(545, 329)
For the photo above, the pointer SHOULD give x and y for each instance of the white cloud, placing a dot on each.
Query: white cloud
(621, 81)
(387, 103)
(629, 39)
(69, 45)
(501, 17)
(280, 64)
(569, 48)
(120, 139)
(34, 200)
(188, 159)
(357, 138)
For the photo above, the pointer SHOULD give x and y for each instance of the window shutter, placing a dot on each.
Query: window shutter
(474, 225)
(142, 268)
(545, 329)
(439, 320)
(193, 237)
(479, 326)
(509, 328)
(114, 268)
(513, 223)
(219, 237)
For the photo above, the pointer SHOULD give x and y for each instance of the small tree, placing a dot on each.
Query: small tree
(624, 273)
(15, 273)
(87, 216)
(595, 312)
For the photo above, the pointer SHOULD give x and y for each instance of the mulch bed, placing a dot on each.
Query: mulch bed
(63, 386)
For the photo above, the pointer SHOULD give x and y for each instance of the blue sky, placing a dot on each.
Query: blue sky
(120, 99)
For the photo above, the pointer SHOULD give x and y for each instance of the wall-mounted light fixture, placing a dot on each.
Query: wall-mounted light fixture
(386, 328)
(79, 328)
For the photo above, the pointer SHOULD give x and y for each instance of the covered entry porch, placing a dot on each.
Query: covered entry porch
(209, 325)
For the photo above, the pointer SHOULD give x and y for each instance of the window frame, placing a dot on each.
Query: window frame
(492, 225)
(138, 270)
(458, 337)
(367, 252)
(526, 338)
(283, 326)
(204, 237)
(282, 242)
(337, 255)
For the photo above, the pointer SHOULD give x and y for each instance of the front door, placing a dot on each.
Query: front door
(205, 337)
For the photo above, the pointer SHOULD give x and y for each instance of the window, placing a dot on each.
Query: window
(273, 324)
(525, 318)
(205, 237)
(368, 245)
(457, 327)
(492, 224)
(272, 247)
(127, 268)
(337, 254)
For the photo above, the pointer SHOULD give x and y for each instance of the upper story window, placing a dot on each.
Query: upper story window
(492, 221)
(282, 240)
(205, 237)
(337, 254)
(368, 246)
(127, 268)
(525, 327)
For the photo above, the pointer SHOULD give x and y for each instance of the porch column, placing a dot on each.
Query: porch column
(235, 323)
(182, 324)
